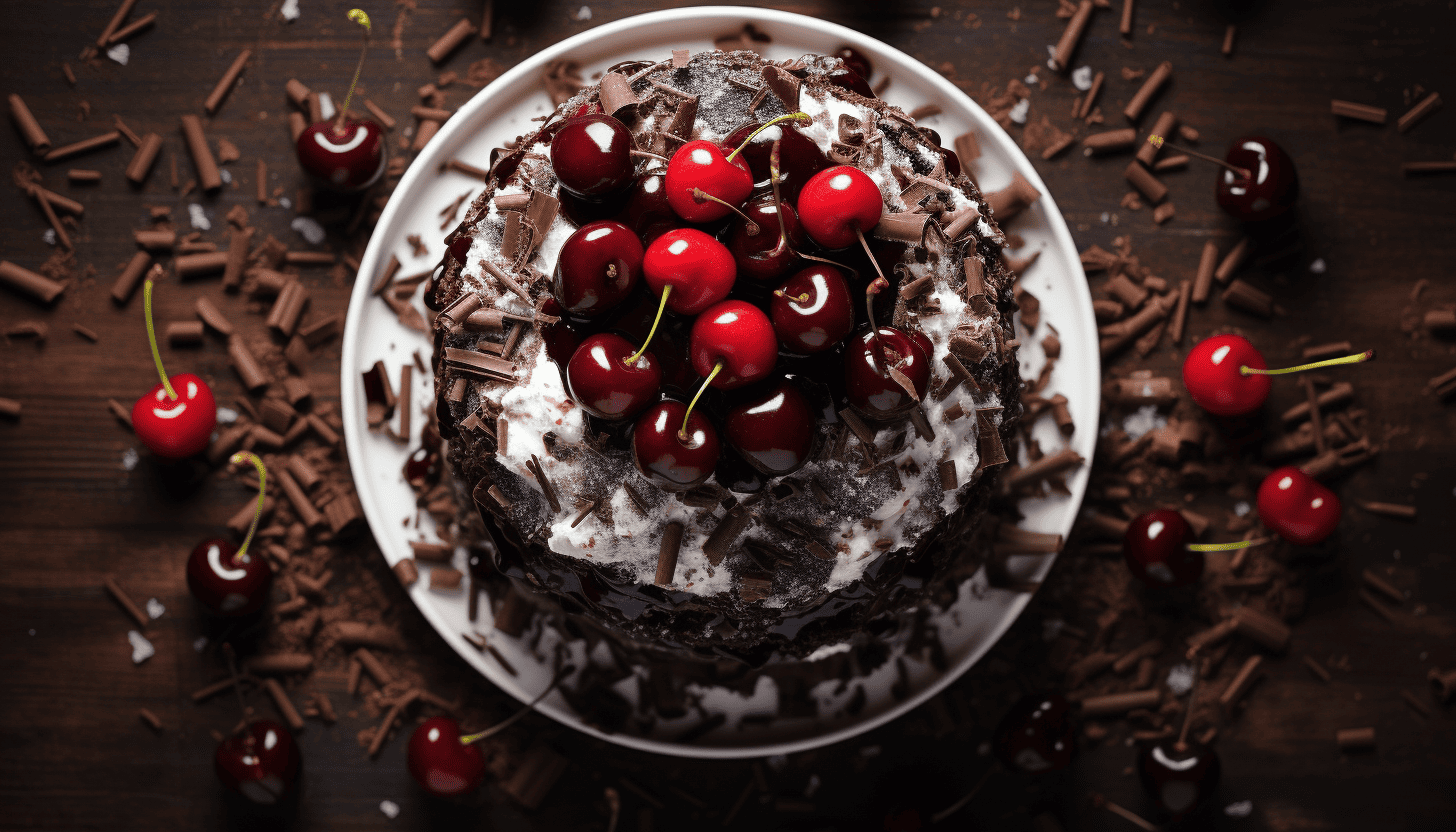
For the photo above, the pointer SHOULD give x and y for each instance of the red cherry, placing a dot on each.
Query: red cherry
(867, 380)
(769, 254)
(597, 268)
(701, 165)
(799, 157)
(603, 384)
(1178, 776)
(346, 159)
(673, 459)
(261, 762)
(440, 762)
(459, 248)
(848, 79)
(699, 269)
(737, 335)
(176, 428)
(1037, 734)
(226, 584)
(1211, 374)
(812, 312)
(773, 430)
(647, 210)
(1271, 188)
(1156, 549)
(592, 156)
(561, 340)
(838, 204)
(1298, 508)
(855, 60)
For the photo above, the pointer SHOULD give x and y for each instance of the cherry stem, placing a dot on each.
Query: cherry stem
(1228, 547)
(361, 18)
(780, 293)
(1160, 142)
(682, 435)
(879, 284)
(767, 124)
(232, 662)
(152, 338)
(239, 457)
(643, 154)
(1368, 355)
(661, 305)
(703, 196)
(515, 717)
(773, 178)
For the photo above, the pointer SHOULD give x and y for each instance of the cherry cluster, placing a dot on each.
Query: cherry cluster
(721, 253)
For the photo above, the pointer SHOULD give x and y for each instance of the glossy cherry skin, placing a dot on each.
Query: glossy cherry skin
(603, 384)
(226, 584)
(347, 160)
(1211, 374)
(1178, 777)
(669, 462)
(738, 335)
(647, 210)
(812, 312)
(850, 80)
(176, 428)
(1156, 549)
(1271, 191)
(836, 203)
(1297, 507)
(699, 269)
(592, 156)
(867, 380)
(260, 763)
(440, 763)
(799, 157)
(773, 430)
(856, 61)
(702, 165)
(598, 268)
(770, 254)
(1037, 734)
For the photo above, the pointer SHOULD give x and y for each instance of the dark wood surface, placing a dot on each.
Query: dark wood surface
(73, 754)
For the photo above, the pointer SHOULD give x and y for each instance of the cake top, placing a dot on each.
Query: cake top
(871, 488)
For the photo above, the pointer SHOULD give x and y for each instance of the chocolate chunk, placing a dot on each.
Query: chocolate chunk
(715, 548)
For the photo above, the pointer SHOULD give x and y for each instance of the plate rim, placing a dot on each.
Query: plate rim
(425, 164)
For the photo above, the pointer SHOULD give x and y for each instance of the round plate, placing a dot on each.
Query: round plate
(503, 111)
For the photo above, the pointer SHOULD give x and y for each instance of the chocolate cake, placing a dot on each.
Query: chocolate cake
(847, 536)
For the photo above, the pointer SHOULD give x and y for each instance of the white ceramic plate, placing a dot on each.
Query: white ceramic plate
(504, 110)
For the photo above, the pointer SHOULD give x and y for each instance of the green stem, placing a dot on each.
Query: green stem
(661, 305)
(152, 338)
(1227, 547)
(510, 720)
(240, 456)
(767, 124)
(682, 435)
(1329, 362)
(359, 17)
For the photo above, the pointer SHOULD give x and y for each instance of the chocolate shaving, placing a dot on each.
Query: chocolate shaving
(480, 364)
(784, 85)
(902, 227)
(616, 94)
(1155, 80)
(715, 548)
(1415, 115)
(667, 552)
(545, 482)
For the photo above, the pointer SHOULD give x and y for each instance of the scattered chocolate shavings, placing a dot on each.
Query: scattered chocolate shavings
(562, 79)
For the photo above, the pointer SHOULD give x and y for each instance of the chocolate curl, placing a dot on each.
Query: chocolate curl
(1359, 112)
(237, 257)
(784, 85)
(1247, 675)
(183, 333)
(83, 146)
(1228, 40)
(458, 311)
(966, 147)
(902, 227)
(287, 309)
(1245, 296)
(1091, 97)
(1415, 115)
(208, 175)
(1116, 337)
(1156, 79)
(1047, 466)
(30, 129)
(667, 553)
(1147, 184)
(1013, 199)
(1071, 36)
(959, 222)
(130, 277)
(1164, 126)
(225, 83)
(189, 266)
(451, 40)
(1110, 141)
(1262, 628)
(1180, 313)
(253, 376)
(1207, 263)
(143, 160)
(616, 94)
(1355, 739)
(1114, 704)
(27, 282)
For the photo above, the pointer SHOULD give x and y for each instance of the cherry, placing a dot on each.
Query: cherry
(592, 156)
(855, 61)
(1270, 188)
(1178, 775)
(736, 475)
(1156, 548)
(674, 457)
(870, 387)
(1227, 376)
(344, 154)
(838, 205)
(603, 382)
(459, 248)
(260, 762)
(771, 251)
(733, 344)
(698, 170)
(773, 430)
(812, 312)
(225, 579)
(1298, 508)
(689, 270)
(422, 467)
(647, 210)
(1036, 735)
(597, 268)
(800, 158)
(561, 340)
(440, 762)
(174, 420)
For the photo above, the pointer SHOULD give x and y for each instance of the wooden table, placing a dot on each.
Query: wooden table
(78, 506)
